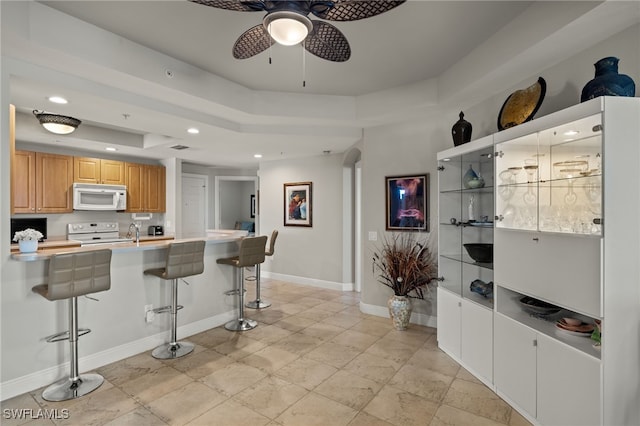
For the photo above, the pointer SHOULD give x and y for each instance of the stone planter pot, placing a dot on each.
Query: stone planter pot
(28, 246)
(400, 311)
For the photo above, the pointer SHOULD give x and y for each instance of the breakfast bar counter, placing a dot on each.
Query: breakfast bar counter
(118, 320)
(47, 249)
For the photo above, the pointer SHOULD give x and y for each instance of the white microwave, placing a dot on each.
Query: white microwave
(93, 196)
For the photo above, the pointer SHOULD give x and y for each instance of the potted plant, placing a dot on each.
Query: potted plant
(27, 240)
(407, 266)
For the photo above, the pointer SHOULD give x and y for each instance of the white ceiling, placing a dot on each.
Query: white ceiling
(413, 42)
(125, 98)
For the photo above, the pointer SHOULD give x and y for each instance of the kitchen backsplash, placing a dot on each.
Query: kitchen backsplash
(57, 223)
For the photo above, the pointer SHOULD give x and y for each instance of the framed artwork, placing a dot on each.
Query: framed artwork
(252, 206)
(407, 202)
(298, 204)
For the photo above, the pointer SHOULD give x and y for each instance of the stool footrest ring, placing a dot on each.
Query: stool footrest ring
(165, 309)
(59, 337)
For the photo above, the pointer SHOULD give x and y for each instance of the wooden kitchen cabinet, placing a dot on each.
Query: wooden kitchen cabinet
(23, 182)
(41, 182)
(146, 188)
(98, 170)
(155, 189)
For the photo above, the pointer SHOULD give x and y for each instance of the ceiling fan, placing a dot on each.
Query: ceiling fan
(287, 23)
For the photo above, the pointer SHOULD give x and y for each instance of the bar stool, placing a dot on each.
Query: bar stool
(183, 259)
(72, 275)
(251, 253)
(259, 303)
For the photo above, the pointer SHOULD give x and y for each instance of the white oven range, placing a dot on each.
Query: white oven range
(92, 233)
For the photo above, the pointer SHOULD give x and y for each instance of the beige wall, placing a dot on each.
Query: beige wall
(311, 253)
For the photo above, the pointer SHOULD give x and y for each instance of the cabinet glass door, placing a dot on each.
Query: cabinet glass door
(551, 181)
(449, 214)
(517, 167)
(571, 178)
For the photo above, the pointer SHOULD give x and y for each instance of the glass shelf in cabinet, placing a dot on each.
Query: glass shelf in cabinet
(474, 225)
(483, 190)
(465, 258)
(485, 302)
(577, 181)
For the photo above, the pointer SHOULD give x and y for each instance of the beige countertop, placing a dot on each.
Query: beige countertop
(52, 246)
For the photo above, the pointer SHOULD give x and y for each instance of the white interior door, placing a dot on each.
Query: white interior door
(194, 205)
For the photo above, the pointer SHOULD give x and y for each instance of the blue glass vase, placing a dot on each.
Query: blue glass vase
(608, 82)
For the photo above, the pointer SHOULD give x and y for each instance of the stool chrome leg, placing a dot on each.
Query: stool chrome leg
(241, 324)
(258, 303)
(75, 385)
(173, 349)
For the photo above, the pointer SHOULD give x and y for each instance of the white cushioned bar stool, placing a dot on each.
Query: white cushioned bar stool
(183, 259)
(72, 275)
(251, 253)
(259, 303)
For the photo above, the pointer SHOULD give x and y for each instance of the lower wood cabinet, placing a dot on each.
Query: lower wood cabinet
(554, 383)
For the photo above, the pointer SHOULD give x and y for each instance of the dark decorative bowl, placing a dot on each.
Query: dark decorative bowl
(480, 252)
(538, 307)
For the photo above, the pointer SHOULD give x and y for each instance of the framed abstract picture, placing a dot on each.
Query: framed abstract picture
(406, 205)
(298, 202)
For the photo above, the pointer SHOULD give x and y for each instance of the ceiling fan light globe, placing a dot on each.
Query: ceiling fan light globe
(59, 129)
(287, 28)
(56, 123)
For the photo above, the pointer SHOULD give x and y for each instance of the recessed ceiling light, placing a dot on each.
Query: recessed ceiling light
(193, 130)
(446, 159)
(110, 148)
(257, 155)
(571, 133)
(58, 100)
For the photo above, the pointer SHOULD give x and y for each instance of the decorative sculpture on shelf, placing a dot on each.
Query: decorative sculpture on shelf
(608, 82)
(522, 105)
(461, 131)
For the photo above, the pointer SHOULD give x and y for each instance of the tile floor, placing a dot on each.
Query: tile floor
(314, 359)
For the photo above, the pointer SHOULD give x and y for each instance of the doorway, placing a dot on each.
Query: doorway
(195, 205)
(234, 202)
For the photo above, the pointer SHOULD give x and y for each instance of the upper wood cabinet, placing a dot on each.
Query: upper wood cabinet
(97, 170)
(41, 183)
(146, 188)
(23, 182)
(156, 189)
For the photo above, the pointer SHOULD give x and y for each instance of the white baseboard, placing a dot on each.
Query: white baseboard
(383, 311)
(41, 378)
(330, 285)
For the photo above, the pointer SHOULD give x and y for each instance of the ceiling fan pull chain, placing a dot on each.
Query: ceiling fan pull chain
(304, 67)
(269, 42)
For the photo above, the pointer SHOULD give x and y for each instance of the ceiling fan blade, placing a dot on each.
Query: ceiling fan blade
(237, 5)
(351, 10)
(251, 42)
(327, 42)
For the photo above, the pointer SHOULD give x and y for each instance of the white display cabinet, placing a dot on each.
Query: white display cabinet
(465, 216)
(567, 235)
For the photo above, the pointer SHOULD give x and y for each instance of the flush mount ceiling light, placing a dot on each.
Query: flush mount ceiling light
(58, 100)
(286, 27)
(55, 123)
